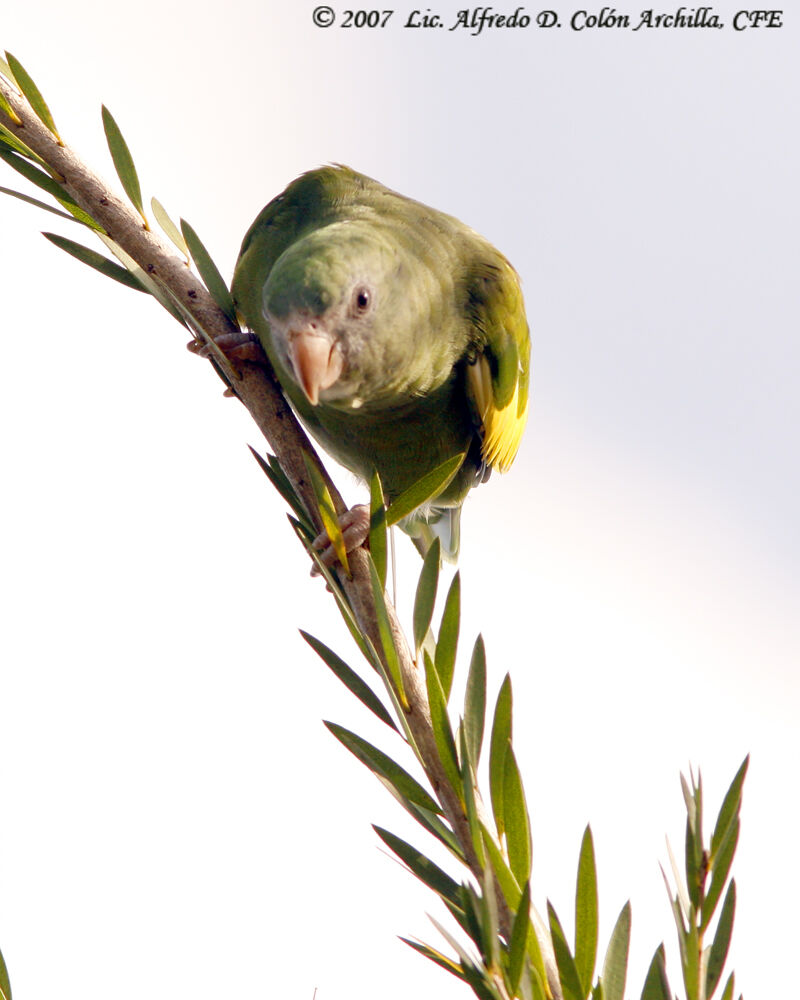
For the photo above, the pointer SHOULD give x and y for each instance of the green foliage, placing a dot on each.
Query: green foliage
(96, 260)
(123, 162)
(499, 744)
(208, 271)
(390, 654)
(5, 984)
(426, 489)
(695, 900)
(501, 945)
(170, 229)
(426, 594)
(377, 528)
(402, 783)
(32, 167)
(586, 914)
(26, 166)
(351, 680)
(656, 986)
(475, 702)
(615, 967)
(442, 730)
(32, 94)
(327, 512)
(447, 646)
(421, 866)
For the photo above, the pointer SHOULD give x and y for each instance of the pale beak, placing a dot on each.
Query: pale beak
(317, 360)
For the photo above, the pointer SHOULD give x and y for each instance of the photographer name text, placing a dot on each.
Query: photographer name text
(477, 20)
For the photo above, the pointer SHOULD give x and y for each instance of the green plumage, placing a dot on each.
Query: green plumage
(395, 303)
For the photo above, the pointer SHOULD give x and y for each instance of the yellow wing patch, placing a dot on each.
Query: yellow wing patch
(502, 429)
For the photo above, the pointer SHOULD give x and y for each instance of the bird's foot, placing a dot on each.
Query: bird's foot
(355, 530)
(238, 345)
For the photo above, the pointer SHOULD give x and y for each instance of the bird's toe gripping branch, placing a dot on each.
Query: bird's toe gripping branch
(239, 345)
(355, 530)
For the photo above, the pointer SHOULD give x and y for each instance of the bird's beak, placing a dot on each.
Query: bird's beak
(316, 358)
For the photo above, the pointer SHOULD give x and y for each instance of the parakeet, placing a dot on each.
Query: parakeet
(397, 333)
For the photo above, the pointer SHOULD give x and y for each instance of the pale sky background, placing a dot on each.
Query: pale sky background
(176, 821)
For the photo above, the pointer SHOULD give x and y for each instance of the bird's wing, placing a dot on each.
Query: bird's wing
(499, 374)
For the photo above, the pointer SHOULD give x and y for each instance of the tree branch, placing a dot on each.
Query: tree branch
(258, 390)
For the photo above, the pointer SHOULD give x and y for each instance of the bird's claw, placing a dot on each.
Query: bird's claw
(238, 345)
(355, 530)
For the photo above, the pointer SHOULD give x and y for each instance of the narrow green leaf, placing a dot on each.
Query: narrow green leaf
(466, 959)
(469, 785)
(615, 967)
(692, 853)
(513, 894)
(391, 657)
(698, 818)
(164, 295)
(427, 488)
(498, 745)
(475, 702)
(425, 870)
(5, 982)
(505, 877)
(362, 641)
(33, 95)
(168, 226)
(84, 218)
(687, 796)
(95, 260)
(209, 271)
(517, 821)
(350, 679)
(463, 912)
(36, 203)
(425, 598)
(368, 650)
(447, 644)
(517, 948)
(586, 913)
(480, 981)
(727, 993)
(35, 175)
(729, 810)
(656, 984)
(490, 920)
(567, 970)
(440, 722)
(722, 940)
(123, 162)
(15, 143)
(327, 512)
(690, 963)
(720, 869)
(533, 985)
(272, 470)
(384, 767)
(6, 108)
(435, 956)
(437, 828)
(377, 527)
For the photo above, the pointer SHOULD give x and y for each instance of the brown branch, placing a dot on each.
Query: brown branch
(260, 393)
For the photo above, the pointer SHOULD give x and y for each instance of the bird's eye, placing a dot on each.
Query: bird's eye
(361, 299)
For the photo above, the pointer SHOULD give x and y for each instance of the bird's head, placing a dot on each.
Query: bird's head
(325, 301)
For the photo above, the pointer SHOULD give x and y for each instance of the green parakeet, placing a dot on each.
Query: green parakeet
(397, 333)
